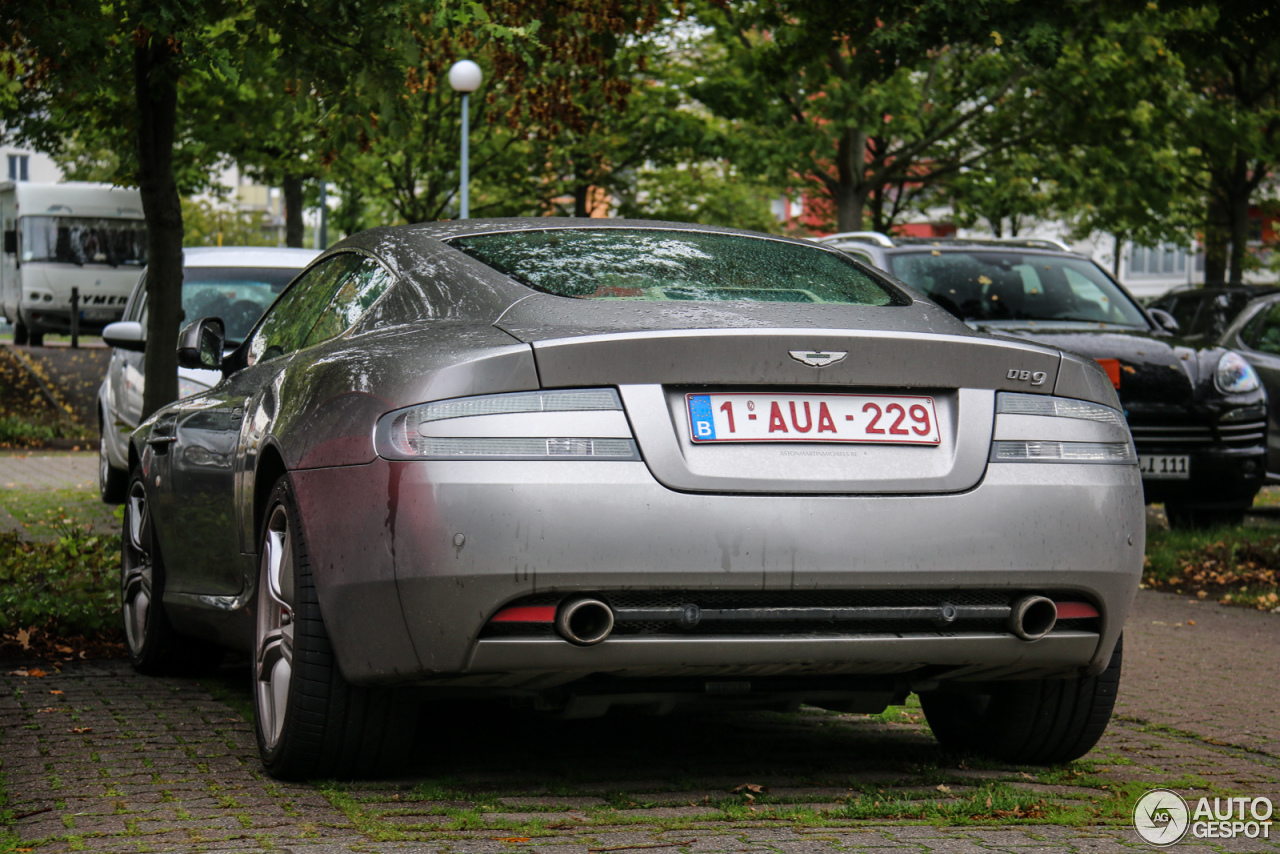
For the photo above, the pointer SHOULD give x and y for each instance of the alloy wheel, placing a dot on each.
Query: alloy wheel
(274, 640)
(137, 569)
(104, 465)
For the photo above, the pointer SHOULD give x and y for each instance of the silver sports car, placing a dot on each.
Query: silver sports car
(596, 463)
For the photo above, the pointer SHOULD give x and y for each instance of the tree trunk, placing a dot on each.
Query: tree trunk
(581, 194)
(1115, 259)
(1215, 242)
(156, 93)
(581, 190)
(851, 190)
(1239, 213)
(293, 232)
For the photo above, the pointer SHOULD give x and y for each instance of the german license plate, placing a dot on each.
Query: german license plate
(99, 314)
(747, 417)
(1157, 467)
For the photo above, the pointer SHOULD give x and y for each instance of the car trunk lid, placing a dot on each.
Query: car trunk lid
(658, 355)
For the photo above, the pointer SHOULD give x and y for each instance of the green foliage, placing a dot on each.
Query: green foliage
(869, 105)
(207, 223)
(711, 193)
(1116, 153)
(69, 586)
(19, 432)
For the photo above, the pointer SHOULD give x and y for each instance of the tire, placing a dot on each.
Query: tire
(113, 483)
(1185, 517)
(20, 332)
(1032, 722)
(35, 339)
(154, 647)
(310, 722)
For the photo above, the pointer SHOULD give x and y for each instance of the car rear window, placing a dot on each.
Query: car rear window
(668, 265)
(996, 285)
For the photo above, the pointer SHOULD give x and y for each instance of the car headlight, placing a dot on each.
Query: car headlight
(1234, 374)
(583, 424)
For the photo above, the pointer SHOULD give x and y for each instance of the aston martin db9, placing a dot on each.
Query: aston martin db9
(594, 464)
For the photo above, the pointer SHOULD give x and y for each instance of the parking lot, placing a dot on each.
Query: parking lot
(98, 758)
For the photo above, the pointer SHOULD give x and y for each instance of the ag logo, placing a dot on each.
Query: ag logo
(1161, 817)
(818, 359)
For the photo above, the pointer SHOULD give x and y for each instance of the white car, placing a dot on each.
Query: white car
(235, 283)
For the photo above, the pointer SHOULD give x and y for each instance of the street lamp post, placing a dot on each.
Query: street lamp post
(465, 77)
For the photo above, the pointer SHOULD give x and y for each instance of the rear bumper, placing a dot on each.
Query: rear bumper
(407, 587)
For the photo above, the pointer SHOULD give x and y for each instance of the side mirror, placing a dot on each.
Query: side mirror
(200, 344)
(1164, 318)
(126, 334)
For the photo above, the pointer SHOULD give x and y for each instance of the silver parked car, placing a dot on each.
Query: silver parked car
(624, 463)
(235, 283)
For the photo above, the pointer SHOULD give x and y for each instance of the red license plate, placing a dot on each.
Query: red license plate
(747, 417)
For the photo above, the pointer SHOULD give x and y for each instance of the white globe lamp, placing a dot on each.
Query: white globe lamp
(465, 77)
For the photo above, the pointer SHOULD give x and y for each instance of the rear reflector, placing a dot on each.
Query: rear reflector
(526, 614)
(1109, 453)
(1112, 367)
(1076, 611)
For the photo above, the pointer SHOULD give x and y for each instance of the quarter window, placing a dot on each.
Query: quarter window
(357, 293)
(290, 320)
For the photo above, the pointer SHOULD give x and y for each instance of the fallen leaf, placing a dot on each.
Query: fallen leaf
(511, 838)
(751, 787)
(62, 648)
(36, 673)
(81, 730)
(55, 691)
(988, 802)
(24, 638)
(942, 787)
(17, 673)
(1026, 775)
(1191, 622)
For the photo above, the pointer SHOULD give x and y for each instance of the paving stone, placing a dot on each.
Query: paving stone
(174, 759)
(552, 801)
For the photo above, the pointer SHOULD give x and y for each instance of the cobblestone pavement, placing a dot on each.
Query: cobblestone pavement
(32, 482)
(96, 758)
(49, 470)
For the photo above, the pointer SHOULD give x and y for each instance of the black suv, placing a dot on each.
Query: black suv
(1203, 314)
(1197, 411)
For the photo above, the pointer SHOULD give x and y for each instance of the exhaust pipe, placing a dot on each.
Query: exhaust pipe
(584, 621)
(1033, 617)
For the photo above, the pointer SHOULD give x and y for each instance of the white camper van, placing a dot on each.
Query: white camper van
(63, 236)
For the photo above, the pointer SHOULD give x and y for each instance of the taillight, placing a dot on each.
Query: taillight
(561, 424)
